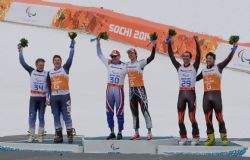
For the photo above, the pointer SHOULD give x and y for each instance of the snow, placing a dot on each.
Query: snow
(88, 84)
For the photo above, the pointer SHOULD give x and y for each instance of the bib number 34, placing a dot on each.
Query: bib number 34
(38, 87)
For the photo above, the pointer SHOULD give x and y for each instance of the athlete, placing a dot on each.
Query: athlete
(38, 87)
(137, 92)
(117, 71)
(58, 83)
(187, 78)
(211, 76)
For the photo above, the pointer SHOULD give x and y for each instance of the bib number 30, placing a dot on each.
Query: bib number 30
(114, 80)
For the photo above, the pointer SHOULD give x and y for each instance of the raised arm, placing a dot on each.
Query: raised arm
(199, 77)
(68, 63)
(22, 61)
(100, 54)
(171, 55)
(198, 54)
(152, 56)
(224, 63)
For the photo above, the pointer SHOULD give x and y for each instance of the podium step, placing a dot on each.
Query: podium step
(159, 145)
(100, 145)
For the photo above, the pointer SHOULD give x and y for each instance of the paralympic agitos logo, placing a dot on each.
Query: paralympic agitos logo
(30, 12)
(112, 146)
(244, 56)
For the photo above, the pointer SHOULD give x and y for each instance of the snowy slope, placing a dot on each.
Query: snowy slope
(88, 84)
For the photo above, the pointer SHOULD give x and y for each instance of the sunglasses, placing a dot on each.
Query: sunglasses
(113, 56)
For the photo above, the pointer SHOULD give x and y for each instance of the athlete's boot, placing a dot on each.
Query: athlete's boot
(41, 135)
(70, 135)
(31, 135)
(135, 137)
(224, 139)
(119, 136)
(58, 136)
(149, 136)
(210, 140)
(195, 141)
(183, 140)
(111, 136)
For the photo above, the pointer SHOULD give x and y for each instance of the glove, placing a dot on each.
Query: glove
(20, 48)
(72, 44)
(234, 48)
(168, 40)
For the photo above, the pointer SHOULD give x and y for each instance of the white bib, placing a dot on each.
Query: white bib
(38, 83)
(187, 77)
(117, 73)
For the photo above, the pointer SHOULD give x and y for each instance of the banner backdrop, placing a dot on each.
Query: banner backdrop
(130, 30)
(4, 6)
(120, 27)
(241, 59)
(31, 14)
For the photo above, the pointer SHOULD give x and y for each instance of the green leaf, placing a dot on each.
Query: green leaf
(104, 35)
(72, 35)
(171, 32)
(153, 36)
(62, 16)
(24, 42)
(234, 39)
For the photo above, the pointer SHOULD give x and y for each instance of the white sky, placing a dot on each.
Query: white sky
(215, 17)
